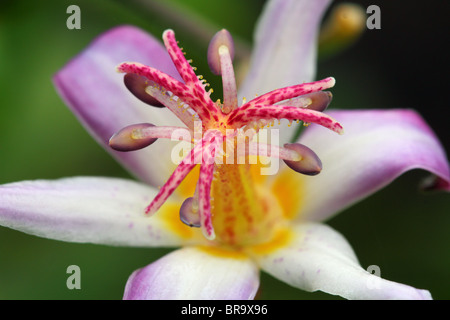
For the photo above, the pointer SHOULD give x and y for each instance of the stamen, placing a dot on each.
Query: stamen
(197, 155)
(248, 113)
(137, 84)
(221, 38)
(309, 163)
(200, 102)
(127, 139)
(187, 73)
(183, 169)
(172, 102)
(271, 150)
(318, 101)
(229, 82)
(163, 132)
(189, 213)
(209, 145)
(238, 202)
(278, 95)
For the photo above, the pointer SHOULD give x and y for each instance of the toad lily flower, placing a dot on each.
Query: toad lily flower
(229, 218)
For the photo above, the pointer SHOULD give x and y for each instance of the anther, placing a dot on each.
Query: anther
(317, 101)
(189, 213)
(309, 163)
(136, 84)
(130, 139)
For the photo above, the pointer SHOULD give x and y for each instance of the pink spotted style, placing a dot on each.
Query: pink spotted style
(221, 122)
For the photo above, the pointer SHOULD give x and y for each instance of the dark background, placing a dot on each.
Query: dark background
(403, 65)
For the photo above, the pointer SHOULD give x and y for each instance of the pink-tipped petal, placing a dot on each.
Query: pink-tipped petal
(91, 87)
(378, 146)
(319, 258)
(85, 209)
(194, 274)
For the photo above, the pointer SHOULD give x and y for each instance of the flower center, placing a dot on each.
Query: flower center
(228, 203)
(243, 214)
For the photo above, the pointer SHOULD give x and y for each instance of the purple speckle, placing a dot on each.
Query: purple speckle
(278, 260)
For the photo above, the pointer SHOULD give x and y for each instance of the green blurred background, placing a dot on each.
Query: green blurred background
(403, 65)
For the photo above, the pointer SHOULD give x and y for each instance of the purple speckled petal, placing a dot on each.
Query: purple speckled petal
(285, 49)
(319, 258)
(377, 147)
(96, 93)
(194, 274)
(87, 209)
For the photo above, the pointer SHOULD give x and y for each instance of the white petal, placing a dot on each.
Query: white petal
(285, 45)
(319, 258)
(84, 209)
(285, 50)
(194, 274)
(376, 148)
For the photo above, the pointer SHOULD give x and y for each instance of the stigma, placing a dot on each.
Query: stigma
(225, 137)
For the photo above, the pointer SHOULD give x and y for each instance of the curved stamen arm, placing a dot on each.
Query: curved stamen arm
(187, 73)
(183, 169)
(210, 143)
(291, 92)
(248, 114)
(197, 102)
